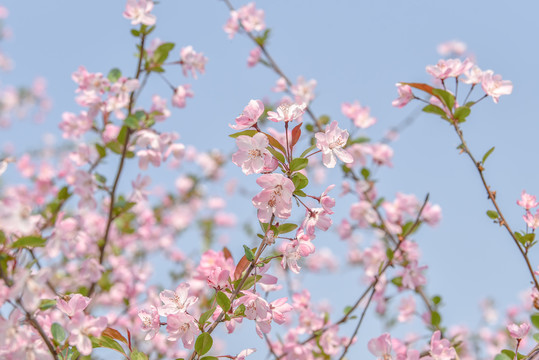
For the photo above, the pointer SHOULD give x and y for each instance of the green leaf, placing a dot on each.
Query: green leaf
(492, 214)
(63, 194)
(511, 354)
(29, 241)
(462, 113)
(299, 193)
(121, 136)
(527, 239)
(307, 151)
(58, 332)
(205, 316)
(487, 154)
(300, 181)
(250, 282)
(285, 228)
(389, 254)
(436, 300)
(209, 358)
(250, 133)
(115, 146)
(433, 109)
(240, 310)
(114, 75)
(535, 320)
(47, 304)
(365, 173)
(397, 281)
(347, 310)
(447, 98)
(278, 155)
(101, 150)
(203, 343)
(248, 253)
(137, 355)
(324, 119)
(135, 32)
(106, 342)
(360, 140)
(131, 122)
(223, 301)
(435, 318)
(160, 54)
(298, 164)
(503, 356)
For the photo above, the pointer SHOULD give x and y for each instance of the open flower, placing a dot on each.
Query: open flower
(331, 142)
(287, 112)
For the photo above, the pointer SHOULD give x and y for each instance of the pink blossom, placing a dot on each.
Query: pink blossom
(327, 202)
(494, 86)
(332, 142)
(440, 349)
(316, 217)
(232, 25)
(254, 57)
(150, 322)
(138, 11)
(276, 198)
(381, 346)
(381, 153)
(527, 201)
(280, 85)
(518, 331)
(159, 105)
(76, 304)
(453, 47)
(473, 76)
(252, 154)
(74, 126)
(80, 327)
(244, 353)
(184, 326)
(405, 95)
(192, 61)
(176, 301)
(358, 114)
(251, 19)
(256, 308)
(449, 68)
(303, 90)
(293, 251)
(532, 220)
(287, 112)
(180, 94)
(431, 214)
(406, 309)
(250, 115)
(110, 133)
(218, 278)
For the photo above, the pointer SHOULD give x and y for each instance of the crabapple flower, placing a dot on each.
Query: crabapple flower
(138, 11)
(532, 220)
(440, 349)
(150, 322)
(494, 86)
(293, 251)
(254, 57)
(527, 201)
(405, 95)
(331, 142)
(276, 198)
(303, 90)
(473, 75)
(176, 301)
(452, 47)
(192, 61)
(251, 18)
(518, 331)
(406, 309)
(80, 327)
(326, 201)
(449, 68)
(76, 304)
(287, 112)
(184, 326)
(250, 115)
(180, 94)
(252, 154)
(244, 353)
(381, 346)
(316, 217)
(360, 115)
(256, 308)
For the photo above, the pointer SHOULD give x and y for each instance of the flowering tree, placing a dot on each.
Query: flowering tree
(79, 239)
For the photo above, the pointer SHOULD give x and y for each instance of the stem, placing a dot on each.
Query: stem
(492, 198)
(110, 217)
(275, 67)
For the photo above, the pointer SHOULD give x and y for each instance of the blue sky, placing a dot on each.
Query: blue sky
(356, 50)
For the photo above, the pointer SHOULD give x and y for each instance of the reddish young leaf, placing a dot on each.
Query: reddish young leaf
(114, 334)
(240, 268)
(276, 144)
(296, 133)
(426, 88)
(227, 253)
